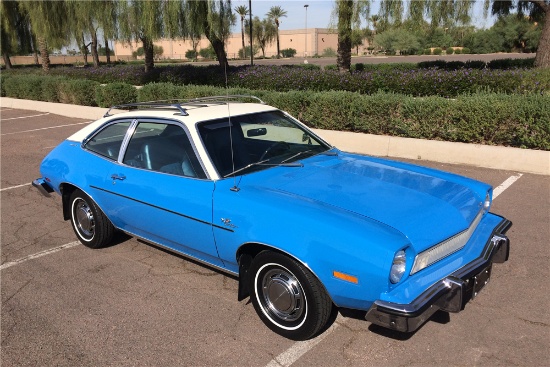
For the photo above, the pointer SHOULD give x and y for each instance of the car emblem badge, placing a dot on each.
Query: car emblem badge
(227, 222)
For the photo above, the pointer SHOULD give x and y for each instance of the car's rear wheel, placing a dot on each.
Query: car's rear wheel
(91, 226)
(289, 299)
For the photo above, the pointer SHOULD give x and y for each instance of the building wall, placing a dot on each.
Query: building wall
(306, 43)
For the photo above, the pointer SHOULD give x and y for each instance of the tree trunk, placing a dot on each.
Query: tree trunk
(107, 51)
(95, 55)
(84, 50)
(278, 47)
(242, 34)
(149, 56)
(44, 55)
(34, 50)
(345, 13)
(218, 46)
(542, 60)
(7, 61)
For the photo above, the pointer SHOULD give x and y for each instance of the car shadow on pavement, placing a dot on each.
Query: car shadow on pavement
(439, 317)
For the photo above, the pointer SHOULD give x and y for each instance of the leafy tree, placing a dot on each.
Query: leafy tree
(214, 19)
(264, 32)
(357, 36)
(448, 14)
(15, 31)
(47, 19)
(438, 38)
(483, 42)
(345, 14)
(275, 13)
(242, 11)
(142, 20)
(398, 39)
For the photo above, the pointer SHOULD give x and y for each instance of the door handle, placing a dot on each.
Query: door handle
(114, 176)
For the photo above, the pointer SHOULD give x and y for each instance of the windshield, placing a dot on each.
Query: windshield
(260, 140)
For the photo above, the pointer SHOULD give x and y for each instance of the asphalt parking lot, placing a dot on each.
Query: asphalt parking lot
(134, 305)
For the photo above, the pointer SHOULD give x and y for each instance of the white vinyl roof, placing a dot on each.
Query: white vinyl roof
(195, 114)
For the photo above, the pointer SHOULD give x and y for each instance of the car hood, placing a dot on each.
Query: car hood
(427, 206)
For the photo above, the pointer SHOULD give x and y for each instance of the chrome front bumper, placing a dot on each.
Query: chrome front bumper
(42, 186)
(449, 294)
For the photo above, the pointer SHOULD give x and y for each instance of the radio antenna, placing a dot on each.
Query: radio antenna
(234, 188)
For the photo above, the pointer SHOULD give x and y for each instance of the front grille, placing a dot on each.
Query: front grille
(445, 248)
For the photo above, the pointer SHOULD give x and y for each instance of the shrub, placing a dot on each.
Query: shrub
(473, 64)
(465, 50)
(438, 51)
(288, 52)
(329, 52)
(51, 87)
(114, 94)
(428, 51)
(457, 51)
(511, 63)
(449, 51)
(81, 92)
(207, 53)
(24, 86)
(358, 67)
(191, 54)
(157, 91)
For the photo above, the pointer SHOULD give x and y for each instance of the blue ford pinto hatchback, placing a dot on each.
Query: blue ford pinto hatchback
(248, 189)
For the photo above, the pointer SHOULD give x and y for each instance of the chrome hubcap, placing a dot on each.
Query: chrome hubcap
(282, 294)
(84, 218)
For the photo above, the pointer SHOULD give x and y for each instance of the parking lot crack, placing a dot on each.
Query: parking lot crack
(17, 291)
(536, 323)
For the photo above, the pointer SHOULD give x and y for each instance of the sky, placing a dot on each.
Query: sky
(319, 12)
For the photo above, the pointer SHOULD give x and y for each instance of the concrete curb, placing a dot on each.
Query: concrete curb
(496, 157)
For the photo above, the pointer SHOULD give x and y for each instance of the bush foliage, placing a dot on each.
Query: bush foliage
(519, 120)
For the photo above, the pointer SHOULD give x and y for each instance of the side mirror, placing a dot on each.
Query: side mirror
(256, 132)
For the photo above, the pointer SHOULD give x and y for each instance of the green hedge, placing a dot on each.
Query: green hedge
(484, 118)
(114, 94)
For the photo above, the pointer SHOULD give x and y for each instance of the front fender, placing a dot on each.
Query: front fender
(322, 237)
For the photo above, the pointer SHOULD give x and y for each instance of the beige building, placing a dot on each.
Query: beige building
(310, 42)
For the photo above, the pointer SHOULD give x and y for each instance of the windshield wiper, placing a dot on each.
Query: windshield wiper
(262, 163)
(296, 155)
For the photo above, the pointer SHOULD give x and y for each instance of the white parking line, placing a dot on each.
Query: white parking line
(39, 254)
(292, 354)
(15, 187)
(298, 349)
(506, 184)
(24, 117)
(46, 128)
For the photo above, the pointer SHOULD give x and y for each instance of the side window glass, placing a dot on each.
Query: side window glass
(163, 148)
(107, 142)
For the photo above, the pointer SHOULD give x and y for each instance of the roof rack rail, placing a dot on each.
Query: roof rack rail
(159, 104)
(177, 103)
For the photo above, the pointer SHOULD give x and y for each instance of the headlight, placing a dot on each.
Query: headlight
(487, 202)
(398, 266)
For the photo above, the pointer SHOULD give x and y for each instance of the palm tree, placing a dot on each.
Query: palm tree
(275, 13)
(243, 12)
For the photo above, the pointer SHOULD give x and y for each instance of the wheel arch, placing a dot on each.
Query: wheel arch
(248, 251)
(66, 189)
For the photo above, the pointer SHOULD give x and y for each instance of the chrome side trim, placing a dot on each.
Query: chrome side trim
(155, 243)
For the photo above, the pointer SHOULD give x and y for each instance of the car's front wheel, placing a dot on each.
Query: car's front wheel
(289, 299)
(91, 226)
